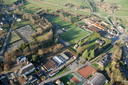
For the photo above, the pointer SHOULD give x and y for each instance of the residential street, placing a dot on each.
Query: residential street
(5, 44)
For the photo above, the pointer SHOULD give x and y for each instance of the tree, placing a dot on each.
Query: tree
(43, 78)
(85, 54)
(1, 1)
(92, 54)
(80, 50)
(80, 43)
(34, 58)
(40, 52)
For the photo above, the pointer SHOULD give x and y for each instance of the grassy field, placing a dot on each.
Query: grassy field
(74, 2)
(53, 8)
(73, 34)
(9, 1)
(23, 23)
(14, 37)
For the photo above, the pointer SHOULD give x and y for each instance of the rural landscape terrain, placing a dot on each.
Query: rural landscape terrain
(63, 42)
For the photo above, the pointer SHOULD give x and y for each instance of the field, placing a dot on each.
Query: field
(66, 79)
(74, 2)
(73, 34)
(22, 23)
(14, 37)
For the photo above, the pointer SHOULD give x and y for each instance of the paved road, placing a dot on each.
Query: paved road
(5, 44)
(56, 77)
(73, 67)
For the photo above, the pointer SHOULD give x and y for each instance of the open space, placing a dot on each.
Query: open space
(72, 79)
(73, 34)
(14, 37)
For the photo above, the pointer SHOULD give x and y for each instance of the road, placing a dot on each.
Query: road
(56, 77)
(73, 67)
(5, 44)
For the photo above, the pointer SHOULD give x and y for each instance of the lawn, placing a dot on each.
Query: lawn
(14, 37)
(73, 34)
(23, 23)
(61, 71)
(53, 8)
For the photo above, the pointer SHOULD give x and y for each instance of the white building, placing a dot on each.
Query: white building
(29, 68)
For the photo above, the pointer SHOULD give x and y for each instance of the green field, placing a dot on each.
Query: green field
(73, 34)
(14, 37)
(23, 23)
(74, 2)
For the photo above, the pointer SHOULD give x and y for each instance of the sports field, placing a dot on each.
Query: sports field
(74, 79)
(73, 34)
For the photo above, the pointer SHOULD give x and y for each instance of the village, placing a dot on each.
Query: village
(47, 48)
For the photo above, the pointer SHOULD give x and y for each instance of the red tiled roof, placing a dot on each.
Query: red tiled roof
(94, 28)
(49, 64)
(99, 26)
(86, 71)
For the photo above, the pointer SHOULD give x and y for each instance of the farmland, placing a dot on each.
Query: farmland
(74, 2)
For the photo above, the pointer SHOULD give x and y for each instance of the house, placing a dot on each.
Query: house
(29, 68)
(113, 32)
(21, 59)
(58, 82)
(88, 21)
(3, 76)
(60, 59)
(101, 42)
(53, 73)
(97, 79)
(64, 56)
(76, 46)
(49, 65)
(31, 79)
(87, 71)
(99, 26)
(65, 29)
(104, 61)
(104, 23)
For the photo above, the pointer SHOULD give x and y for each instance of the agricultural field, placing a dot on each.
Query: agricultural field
(74, 2)
(73, 34)
(14, 37)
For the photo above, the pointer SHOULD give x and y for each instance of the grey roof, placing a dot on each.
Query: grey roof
(97, 79)
(26, 68)
(105, 59)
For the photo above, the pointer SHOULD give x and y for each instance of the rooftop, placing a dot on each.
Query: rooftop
(49, 64)
(97, 79)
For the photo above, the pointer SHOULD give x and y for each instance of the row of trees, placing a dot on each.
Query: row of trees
(88, 55)
(116, 77)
